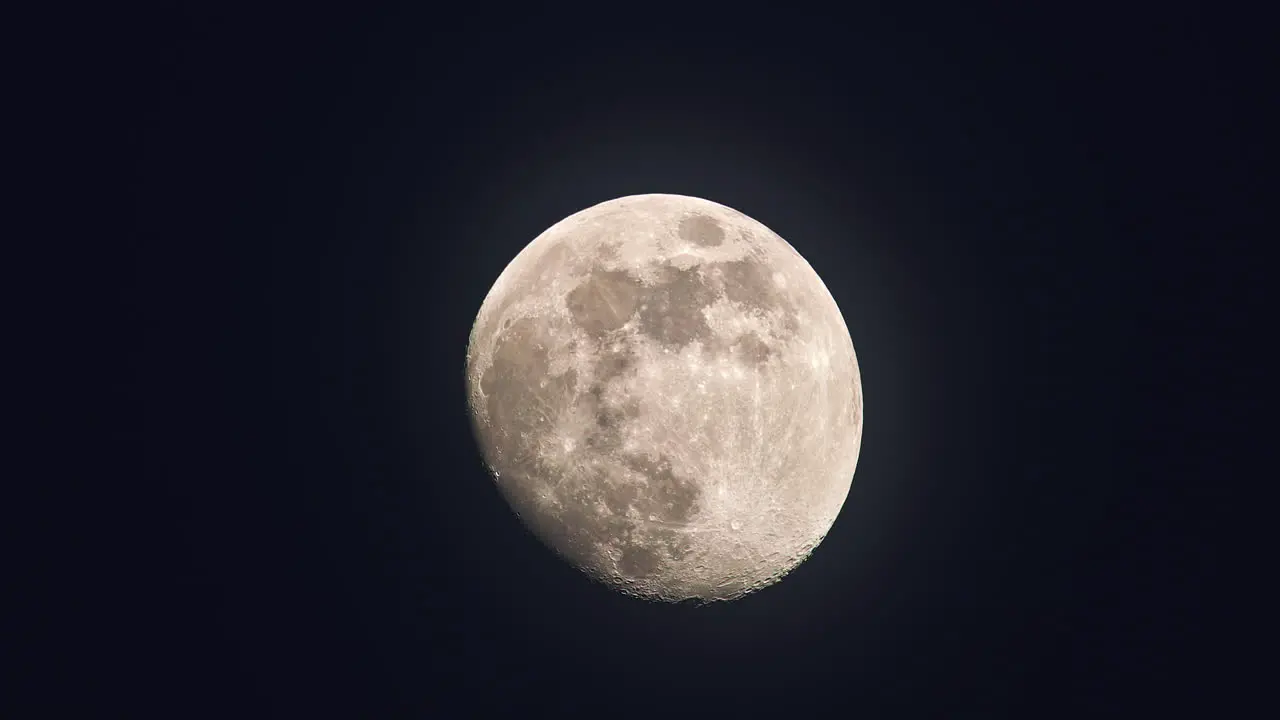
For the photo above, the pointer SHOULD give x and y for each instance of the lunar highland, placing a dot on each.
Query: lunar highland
(667, 395)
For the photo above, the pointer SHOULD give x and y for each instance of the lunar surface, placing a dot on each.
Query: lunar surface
(667, 395)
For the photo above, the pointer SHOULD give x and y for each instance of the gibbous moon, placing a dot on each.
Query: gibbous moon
(667, 395)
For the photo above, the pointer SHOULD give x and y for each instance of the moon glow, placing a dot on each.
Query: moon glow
(667, 395)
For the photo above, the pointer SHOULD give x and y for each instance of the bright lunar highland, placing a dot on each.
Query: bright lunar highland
(667, 395)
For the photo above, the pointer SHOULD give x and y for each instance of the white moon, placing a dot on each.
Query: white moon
(668, 396)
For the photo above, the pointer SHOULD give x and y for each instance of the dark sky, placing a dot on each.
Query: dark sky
(1018, 213)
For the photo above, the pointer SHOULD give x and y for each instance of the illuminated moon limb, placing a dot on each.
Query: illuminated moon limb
(667, 394)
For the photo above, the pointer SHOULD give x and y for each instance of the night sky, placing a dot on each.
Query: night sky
(1015, 210)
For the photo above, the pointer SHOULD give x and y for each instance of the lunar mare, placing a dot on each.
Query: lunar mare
(667, 395)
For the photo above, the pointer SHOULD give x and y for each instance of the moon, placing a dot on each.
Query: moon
(667, 395)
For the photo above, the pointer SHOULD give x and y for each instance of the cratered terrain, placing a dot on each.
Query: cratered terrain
(667, 394)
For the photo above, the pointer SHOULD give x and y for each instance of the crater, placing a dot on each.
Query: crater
(515, 396)
(607, 250)
(616, 360)
(701, 230)
(610, 418)
(671, 312)
(668, 498)
(604, 302)
(665, 503)
(550, 264)
(619, 496)
(578, 531)
(750, 283)
(572, 532)
(640, 520)
(752, 349)
(637, 561)
(607, 418)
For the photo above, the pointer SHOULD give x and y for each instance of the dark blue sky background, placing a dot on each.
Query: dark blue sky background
(1022, 214)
